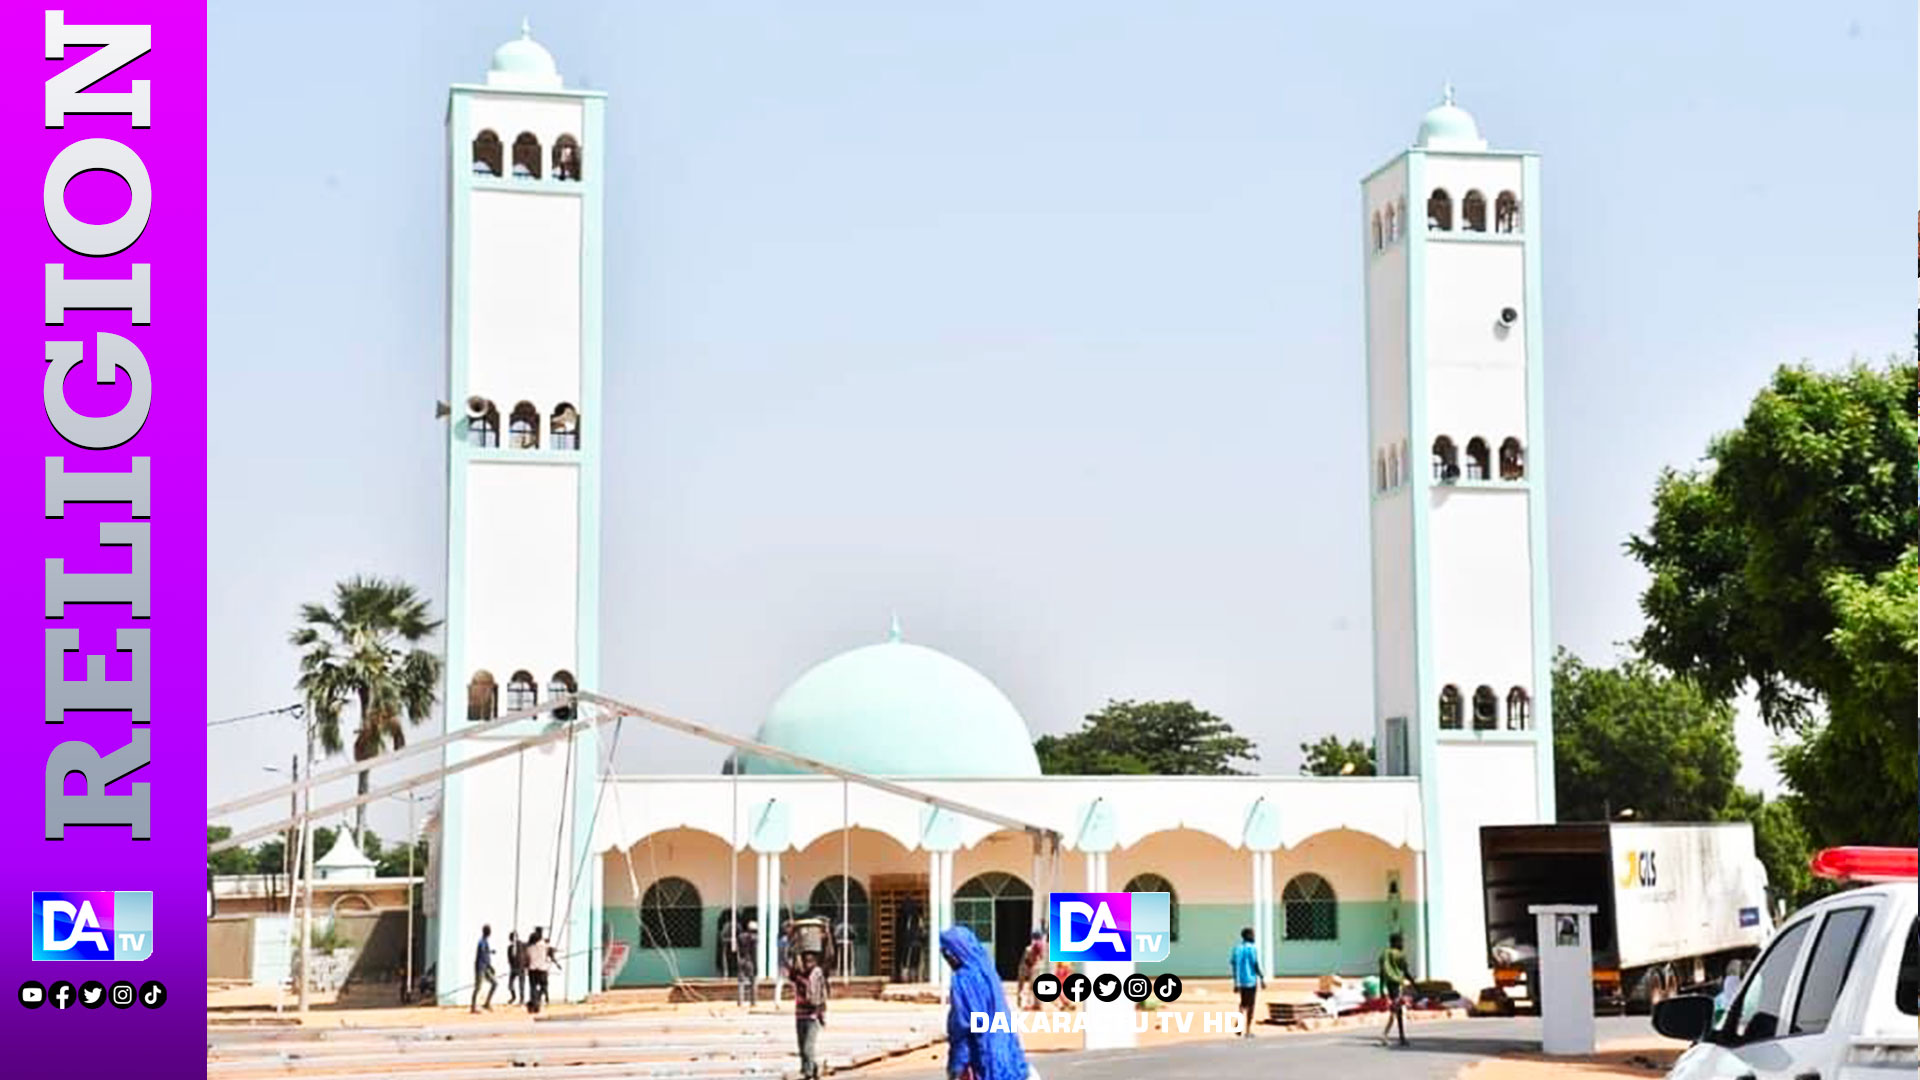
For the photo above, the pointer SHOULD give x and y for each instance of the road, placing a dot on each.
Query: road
(1439, 1051)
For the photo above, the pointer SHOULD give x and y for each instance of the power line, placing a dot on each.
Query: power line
(284, 709)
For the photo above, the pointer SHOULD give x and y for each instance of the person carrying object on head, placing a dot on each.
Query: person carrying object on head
(809, 1010)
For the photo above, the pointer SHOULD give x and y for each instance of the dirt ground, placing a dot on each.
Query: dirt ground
(1642, 1058)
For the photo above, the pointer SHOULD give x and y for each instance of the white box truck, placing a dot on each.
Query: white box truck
(1676, 903)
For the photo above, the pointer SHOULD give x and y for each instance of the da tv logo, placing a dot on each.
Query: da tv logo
(1108, 926)
(92, 925)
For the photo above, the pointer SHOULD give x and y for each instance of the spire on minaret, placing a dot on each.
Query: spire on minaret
(526, 33)
(1447, 91)
(893, 633)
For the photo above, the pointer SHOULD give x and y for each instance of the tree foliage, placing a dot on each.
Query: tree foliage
(1331, 757)
(1787, 566)
(365, 651)
(231, 861)
(1780, 842)
(1633, 737)
(1166, 738)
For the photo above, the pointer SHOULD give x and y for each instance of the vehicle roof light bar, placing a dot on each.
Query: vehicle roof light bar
(1868, 865)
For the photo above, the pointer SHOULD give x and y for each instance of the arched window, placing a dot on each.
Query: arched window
(1477, 459)
(1473, 212)
(670, 915)
(1439, 210)
(522, 691)
(483, 697)
(1513, 460)
(1393, 467)
(566, 158)
(486, 154)
(562, 683)
(483, 423)
(1485, 709)
(565, 427)
(1400, 226)
(1379, 239)
(526, 156)
(1379, 472)
(1506, 213)
(1446, 460)
(1519, 710)
(1312, 911)
(990, 902)
(1450, 709)
(523, 427)
(1156, 883)
(824, 901)
(1393, 223)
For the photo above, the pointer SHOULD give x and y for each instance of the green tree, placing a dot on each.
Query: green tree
(1632, 737)
(270, 857)
(365, 652)
(230, 861)
(1780, 842)
(393, 861)
(1166, 738)
(1787, 566)
(1331, 757)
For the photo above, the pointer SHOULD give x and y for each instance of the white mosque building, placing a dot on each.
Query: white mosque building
(1324, 869)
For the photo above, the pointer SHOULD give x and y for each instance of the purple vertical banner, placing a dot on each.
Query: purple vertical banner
(104, 576)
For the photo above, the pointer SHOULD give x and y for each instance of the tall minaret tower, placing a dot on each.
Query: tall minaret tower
(1461, 638)
(527, 161)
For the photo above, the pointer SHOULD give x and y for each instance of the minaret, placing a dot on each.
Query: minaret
(1462, 645)
(526, 159)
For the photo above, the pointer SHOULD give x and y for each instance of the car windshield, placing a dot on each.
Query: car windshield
(1908, 988)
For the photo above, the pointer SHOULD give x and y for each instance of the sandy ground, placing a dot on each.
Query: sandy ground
(1642, 1058)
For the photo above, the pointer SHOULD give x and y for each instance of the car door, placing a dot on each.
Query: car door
(1745, 1044)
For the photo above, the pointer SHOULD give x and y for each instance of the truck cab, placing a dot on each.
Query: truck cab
(1834, 993)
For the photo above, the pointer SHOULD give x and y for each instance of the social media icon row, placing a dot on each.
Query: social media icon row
(1108, 987)
(63, 995)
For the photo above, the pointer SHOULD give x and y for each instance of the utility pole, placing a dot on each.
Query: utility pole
(306, 858)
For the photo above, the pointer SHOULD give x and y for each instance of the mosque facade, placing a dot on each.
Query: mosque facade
(638, 878)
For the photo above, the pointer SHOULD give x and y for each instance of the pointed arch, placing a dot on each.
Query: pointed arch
(1450, 708)
(566, 158)
(1513, 459)
(1440, 211)
(1477, 459)
(526, 156)
(487, 153)
(1506, 213)
(1485, 709)
(1519, 710)
(523, 427)
(1446, 460)
(1473, 212)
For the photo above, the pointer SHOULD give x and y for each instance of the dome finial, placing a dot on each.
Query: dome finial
(893, 632)
(1447, 91)
(526, 30)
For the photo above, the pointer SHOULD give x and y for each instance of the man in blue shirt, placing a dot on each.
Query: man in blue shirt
(1247, 978)
(483, 970)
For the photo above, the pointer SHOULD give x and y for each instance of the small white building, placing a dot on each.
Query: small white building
(1324, 869)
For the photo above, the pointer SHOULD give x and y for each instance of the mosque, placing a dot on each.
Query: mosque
(637, 877)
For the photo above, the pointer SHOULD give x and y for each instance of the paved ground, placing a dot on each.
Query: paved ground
(1440, 1050)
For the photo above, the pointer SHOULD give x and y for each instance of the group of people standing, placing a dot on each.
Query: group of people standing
(529, 963)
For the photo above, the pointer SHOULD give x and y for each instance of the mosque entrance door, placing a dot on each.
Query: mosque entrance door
(998, 908)
(900, 926)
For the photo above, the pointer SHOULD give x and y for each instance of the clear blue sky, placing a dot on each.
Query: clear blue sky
(1036, 323)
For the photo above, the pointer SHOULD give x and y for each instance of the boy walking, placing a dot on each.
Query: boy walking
(809, 1011)
(516, 968)
(1393, 983)
(483, 971)
(1247, 977)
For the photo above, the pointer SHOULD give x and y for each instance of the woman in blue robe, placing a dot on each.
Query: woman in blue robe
(982, 1055)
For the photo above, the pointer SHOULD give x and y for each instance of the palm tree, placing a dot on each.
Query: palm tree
(365, 651)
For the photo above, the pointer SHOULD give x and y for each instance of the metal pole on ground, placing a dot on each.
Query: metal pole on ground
(306, 857)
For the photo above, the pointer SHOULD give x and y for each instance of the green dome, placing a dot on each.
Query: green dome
(896, 709)
(1449, 127)
(523, 61)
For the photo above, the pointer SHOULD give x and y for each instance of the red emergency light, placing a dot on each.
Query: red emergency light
(1868, 864)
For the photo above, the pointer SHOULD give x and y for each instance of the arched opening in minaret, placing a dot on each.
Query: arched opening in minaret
(487, 153)
(1393, 223)
(1379, 240)
(1506, 213)
(483, 423)
(1450, 708)
(483, 697)
(1440, 210)
(1513, 460)
(1393, 467)
(565, 427)
(1400, 222)
(1446, 460)
(1519, 710)
(1486, 707)
(566, 158)
(1477, 459)
(526, 156)
(1380, 472)
(522, 692)
(523, 427)
(1473, 212)
(560, 685)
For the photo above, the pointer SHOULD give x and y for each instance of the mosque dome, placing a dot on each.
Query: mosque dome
(523, 62)
(1449, 127)
(898, 709)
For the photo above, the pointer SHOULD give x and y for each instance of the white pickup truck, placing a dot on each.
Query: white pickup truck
(1833, 996)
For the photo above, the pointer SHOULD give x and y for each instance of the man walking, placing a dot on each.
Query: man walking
(483, 971)
(809, 1011)
(1248, 980)
(746, 944)
(516, 968)
(1393, 983)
